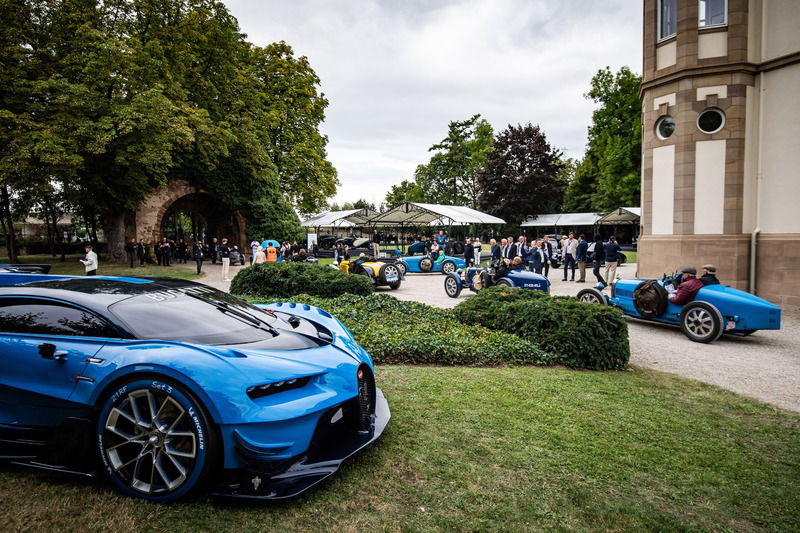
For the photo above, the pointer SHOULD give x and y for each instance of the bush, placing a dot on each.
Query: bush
(399, 332)
(576, 334)
(281, 280)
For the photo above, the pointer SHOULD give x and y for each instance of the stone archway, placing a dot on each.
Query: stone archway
(222, 220)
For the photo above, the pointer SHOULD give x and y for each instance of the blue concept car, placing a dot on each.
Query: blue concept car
(716, 309)
(165, 384)
(477, 278)
(425, 264)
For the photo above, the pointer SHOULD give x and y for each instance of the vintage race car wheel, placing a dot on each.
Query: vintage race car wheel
(388, 274)
(448, 267)
(503, 283)
(591, 296)
(425, 264)
(701, 322)
(403, 268)
(155, 439)
(394, 286)
(452, 286)
(650, 299)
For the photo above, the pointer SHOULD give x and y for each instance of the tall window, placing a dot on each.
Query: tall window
(712, 13)
(667, 18)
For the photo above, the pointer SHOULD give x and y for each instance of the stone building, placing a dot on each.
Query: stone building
(721, 146)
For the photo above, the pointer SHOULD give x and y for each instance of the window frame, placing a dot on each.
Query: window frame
(12, 300)
(710, 26)
(716, 110)
(661, 119)
(659, 37)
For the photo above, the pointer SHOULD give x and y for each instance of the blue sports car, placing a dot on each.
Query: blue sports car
(477, 278)
(425, 264)
(166, 384)
(716, 309)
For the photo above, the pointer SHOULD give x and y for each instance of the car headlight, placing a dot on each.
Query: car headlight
(259, 391)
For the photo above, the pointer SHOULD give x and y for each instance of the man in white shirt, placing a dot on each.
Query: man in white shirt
(90, 262)
(570, 251)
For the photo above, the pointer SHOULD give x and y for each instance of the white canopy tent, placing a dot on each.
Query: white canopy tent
(562, 220)
(417, 214)
(340, 219)
(622, 215)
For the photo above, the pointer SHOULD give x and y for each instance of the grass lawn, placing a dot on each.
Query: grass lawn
(73, 267)
(515, 449)
(631, 257)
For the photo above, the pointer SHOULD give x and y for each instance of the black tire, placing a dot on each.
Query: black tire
(394, 286)
(701, 322)
(403, 268)
(448, 267)
(591, 296)
(452, 287)
(503, 283)
(386, 271)
(457, 248)
(650, 299)
(425, 264)
(163, 460)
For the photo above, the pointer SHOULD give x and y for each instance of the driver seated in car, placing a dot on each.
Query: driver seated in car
(516, 263)
(688, 288)
(709, 276)
(441, 257)
(501, 270)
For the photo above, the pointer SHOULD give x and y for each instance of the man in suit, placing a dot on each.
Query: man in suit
(569, 251)
(537, 257)
(496, 251)
(547, 251)
(469, 253)
(582, 256)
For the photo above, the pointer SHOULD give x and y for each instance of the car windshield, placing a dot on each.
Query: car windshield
(196, 314)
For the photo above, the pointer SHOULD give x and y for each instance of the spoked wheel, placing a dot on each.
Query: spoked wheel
(503, 283)
(154, 440)
(448, 267)
(701, 322)
(425, 264)
(452, 286)
(402, 267)
(591, 296)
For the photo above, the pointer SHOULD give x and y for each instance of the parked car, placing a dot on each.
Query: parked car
(29, 268)
(478, 278)
(716, 309)
(425, 264)
(382, 272)
(169, 383)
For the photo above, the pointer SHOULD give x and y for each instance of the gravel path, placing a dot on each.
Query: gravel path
(765, 365)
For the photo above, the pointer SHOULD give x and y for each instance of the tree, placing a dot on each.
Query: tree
(405, 191)
(522, 176)
(610, 174)
(450, 176)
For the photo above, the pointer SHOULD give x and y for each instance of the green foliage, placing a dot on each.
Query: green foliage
(523, 175)
(405, 191)
(450, 177)
(400, 332)
(347, 206)
(286, 279)
(609, 175)
(577, 334)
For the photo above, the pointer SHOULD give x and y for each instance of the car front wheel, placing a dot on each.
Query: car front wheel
(448, 267)
(155, 440)
(591, 296)
(452, 286)
(701, 322)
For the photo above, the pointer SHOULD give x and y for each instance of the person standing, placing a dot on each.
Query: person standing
(197, 254)
(476, 250)
(90, 261)
(141, 252)
(570, 250)
(271, 255)
(598, 255)
(496, 251)
(165, 252)
(261, 257)
(537, 257)
(130, 249)
(547, 251)
(253, 249)
(225, 256)
(183, 252)
(441, 239)
(508, 249)
(581, 255)
(612, 257)
(376, 243)
(469, 253)
(212, 250)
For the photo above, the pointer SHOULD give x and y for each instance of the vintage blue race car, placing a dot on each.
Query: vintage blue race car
(477, 278)
(164, 384)
(426, 264)
(716, 309)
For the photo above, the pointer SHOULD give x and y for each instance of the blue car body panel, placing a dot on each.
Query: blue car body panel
(523, 279)
(39, 394)
(412, 263)
(741, 310)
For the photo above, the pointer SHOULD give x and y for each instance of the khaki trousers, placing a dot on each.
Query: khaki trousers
(611, 270)
(226, 268)
(582, 270)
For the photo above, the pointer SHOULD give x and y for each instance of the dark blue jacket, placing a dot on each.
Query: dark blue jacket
(497, 252)
(580, 252)
(612, 251)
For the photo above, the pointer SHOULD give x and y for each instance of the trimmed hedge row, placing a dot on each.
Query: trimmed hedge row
(281, 280)
(400, 332)
(576, 334)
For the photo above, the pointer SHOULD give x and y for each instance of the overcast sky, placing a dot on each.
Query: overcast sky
(397, 72)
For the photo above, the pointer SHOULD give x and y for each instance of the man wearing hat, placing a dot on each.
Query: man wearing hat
(688, 288)
(709, 276)
(90, 262)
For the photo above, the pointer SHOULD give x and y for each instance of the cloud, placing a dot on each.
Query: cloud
(397, 72)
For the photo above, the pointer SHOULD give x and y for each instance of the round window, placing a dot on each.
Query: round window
(664, 127)
(711, 120)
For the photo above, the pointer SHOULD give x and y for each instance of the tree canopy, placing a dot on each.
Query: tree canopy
(609, 175)
(522, 176)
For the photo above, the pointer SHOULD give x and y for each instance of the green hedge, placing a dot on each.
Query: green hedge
(576, 334)
(281, 280)
(399, 332)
